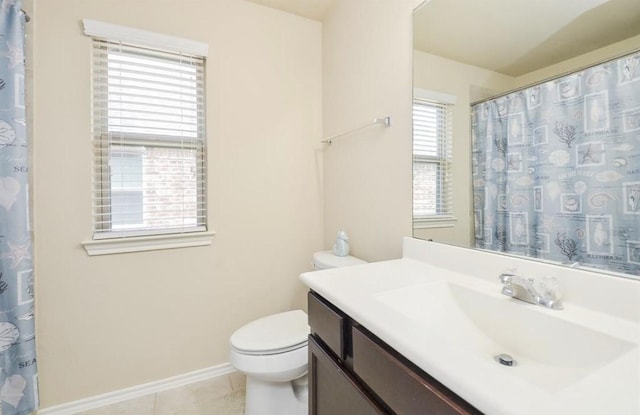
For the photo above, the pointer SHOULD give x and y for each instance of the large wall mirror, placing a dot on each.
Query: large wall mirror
(467, 52)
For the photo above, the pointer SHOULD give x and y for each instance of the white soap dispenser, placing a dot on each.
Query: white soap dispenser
(341, 246)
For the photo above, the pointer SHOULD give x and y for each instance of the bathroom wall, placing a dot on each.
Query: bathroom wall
(366, 67)
(466, 83)
(110, 322)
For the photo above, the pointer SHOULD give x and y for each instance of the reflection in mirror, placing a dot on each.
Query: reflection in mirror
(556, 169)
(466, 60)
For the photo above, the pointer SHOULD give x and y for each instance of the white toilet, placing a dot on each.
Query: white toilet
(272, 352)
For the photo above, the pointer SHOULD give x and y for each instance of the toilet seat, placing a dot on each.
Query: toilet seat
(274, 334)
(280, 367)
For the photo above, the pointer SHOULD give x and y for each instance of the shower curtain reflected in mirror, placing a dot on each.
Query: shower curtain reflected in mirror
(556, 169)
(18, 374)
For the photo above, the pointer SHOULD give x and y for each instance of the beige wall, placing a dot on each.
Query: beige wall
(367, 74)
(442, 75)
(110, 322)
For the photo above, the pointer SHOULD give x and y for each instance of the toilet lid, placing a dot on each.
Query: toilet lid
(276, 333)
(327, 260)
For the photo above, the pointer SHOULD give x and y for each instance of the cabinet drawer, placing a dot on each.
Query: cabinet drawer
(403, 390)
(328, 324)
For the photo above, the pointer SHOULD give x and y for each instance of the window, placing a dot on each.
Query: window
(432, 187)
(148, 137)
(127, 195)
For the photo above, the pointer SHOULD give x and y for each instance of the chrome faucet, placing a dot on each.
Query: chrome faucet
(524, 289)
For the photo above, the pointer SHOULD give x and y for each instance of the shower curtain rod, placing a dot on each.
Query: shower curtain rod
(553, 78)
(386, 121)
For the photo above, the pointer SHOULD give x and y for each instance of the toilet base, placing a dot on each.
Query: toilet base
(276, 398)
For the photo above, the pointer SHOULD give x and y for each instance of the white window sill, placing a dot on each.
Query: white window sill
(147, 243)
(434, 222)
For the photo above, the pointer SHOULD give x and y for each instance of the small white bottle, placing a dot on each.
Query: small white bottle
(341, 246)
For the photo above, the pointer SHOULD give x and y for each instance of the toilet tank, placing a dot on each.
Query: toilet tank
(326, 260)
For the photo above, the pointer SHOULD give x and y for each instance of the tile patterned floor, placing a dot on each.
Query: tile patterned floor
(219, 396)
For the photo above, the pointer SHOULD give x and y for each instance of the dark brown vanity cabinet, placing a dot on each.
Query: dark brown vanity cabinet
(352, 372)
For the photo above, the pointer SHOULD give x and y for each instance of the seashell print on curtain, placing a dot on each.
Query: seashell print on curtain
(556, 169)
(18, 373)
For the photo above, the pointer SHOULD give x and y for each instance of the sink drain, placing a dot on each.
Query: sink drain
(505, 359)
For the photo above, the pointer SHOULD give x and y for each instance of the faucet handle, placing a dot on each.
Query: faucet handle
(505, 278)
(550, 288)
(507, 275)
(549, 293)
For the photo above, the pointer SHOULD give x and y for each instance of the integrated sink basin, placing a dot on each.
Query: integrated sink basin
(550, 352)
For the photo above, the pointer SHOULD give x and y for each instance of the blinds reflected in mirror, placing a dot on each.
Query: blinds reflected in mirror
(432, 152)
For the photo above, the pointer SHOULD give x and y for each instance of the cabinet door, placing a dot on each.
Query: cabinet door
(332, 391)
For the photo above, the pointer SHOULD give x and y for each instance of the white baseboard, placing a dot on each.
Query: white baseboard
(138, 391)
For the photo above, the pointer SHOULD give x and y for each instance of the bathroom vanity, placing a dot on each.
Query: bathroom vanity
(422, 334)
(353, 372)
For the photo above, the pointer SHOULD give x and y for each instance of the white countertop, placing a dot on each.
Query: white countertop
(613, 389)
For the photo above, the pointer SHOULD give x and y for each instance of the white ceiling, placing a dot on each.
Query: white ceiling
(513, 37)
(312, 9)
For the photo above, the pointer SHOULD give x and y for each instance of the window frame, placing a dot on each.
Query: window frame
(443, 163)
(119, 241)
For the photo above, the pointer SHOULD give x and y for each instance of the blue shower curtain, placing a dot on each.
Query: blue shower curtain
(18, 374)
(556, 169)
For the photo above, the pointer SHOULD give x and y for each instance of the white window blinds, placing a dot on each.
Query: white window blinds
(432, 142)
(149, 141)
